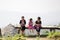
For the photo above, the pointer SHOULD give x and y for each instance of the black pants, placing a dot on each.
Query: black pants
(37, 29)
(22, 28)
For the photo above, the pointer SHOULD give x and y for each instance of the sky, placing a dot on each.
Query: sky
(12, 10)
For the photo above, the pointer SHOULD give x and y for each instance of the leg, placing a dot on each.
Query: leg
(38, 32)
(32, 31)
(23, 30)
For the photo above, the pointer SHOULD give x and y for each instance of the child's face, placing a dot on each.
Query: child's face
(39, 19)
(22, 18)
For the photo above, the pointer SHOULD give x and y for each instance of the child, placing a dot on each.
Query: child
(22, 23)
(38, 25)
(30, 25)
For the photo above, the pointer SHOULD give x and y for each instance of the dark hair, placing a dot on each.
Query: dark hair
(30, 19)
(22, 17)
(39, 18)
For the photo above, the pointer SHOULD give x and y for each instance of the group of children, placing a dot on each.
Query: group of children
(37, 25)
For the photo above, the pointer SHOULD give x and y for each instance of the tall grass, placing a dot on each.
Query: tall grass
(54, 35)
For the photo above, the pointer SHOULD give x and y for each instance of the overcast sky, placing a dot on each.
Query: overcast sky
(12, 10)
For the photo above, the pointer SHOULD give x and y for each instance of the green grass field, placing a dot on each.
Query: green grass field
(51, 36)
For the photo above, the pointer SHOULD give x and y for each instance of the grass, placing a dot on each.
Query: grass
(16, 37)
(20, 37)
(54, 35)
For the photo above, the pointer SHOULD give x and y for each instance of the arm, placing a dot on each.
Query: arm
(20, 22)
(40, 24)
(36, 23)
(25, 22)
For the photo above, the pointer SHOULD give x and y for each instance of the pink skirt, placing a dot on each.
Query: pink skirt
(30, 27)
